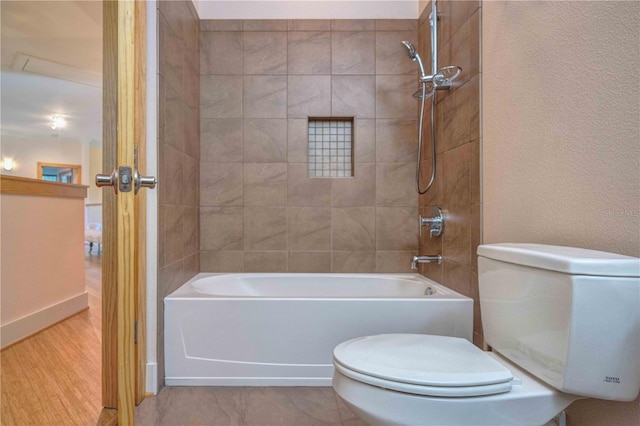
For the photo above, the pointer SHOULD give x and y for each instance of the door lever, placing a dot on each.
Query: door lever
(108, 180)
(143, 181)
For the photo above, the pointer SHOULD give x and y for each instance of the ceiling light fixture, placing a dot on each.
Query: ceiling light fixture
(57, 122)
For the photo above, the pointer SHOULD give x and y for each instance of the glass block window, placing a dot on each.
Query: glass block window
(330, 147)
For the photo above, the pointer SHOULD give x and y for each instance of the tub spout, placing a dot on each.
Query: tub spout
(425, 259)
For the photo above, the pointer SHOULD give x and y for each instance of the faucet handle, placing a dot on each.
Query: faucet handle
(435, 222)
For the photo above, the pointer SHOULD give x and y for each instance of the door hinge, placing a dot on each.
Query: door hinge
(135, 331)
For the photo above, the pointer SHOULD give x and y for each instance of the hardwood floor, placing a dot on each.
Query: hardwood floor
(54, 377)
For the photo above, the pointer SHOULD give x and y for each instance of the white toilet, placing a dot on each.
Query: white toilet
(563, 324)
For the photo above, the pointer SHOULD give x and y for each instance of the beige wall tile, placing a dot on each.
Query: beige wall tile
(309, 96)
(353, 96)
(456, 241)
(297, 140)
(474, 172)
(360, 190)
(354, 261)
(309, 52)
(265, 25)
(474, 230)
(220, 25)
(190, 230)
(220, 96)
(455, 173)
(173, 175)
(365, 141)
(457, 277)
(461, 115)
(391, 55)
(190, 267)
(309, 25)
(352, 25)
(353, 52)
(265, 228)
(394, 261)
(221, 53)
(310, 261)
(191, 181)
(392, 92)
(221, 228)
(265, 140)
(464, 50)
(265, 261)
(221, 140)
(397, 141)
(308, 228)
(174, 119)
(396, 24)
(171, 62)
(265, 52)
(174, 234)
(265, 184)
(433, 197)
(395, 184)
(162, 232)
(221, 261)
(396, 229)
(265, 97)
(192, 131)
(304, 191)
(221, 185)
(460, 12)
(354, 228)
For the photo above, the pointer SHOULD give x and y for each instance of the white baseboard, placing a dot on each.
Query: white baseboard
(152, 378)
(26, 326)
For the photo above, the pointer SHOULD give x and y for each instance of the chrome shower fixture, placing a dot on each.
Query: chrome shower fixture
(415, 57)
(440, 79)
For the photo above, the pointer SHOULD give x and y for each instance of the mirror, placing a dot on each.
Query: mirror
(63, 173)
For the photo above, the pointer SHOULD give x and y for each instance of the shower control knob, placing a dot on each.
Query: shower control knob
(435, 222)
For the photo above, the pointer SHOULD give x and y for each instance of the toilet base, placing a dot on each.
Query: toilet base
(531, 403)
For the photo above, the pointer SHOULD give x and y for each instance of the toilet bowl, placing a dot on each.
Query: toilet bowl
(547, 312)
(387, 379)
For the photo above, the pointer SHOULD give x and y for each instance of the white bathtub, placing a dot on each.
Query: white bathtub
(280, 329)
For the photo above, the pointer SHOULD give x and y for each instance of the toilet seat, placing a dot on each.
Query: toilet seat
(422, 365)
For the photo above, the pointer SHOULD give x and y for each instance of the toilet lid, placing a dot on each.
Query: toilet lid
(451, 366)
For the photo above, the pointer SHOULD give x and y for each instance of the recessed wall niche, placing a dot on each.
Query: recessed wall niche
(330, 147)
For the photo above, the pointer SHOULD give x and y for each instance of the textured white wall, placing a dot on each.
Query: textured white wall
(561, 136)
(42, 256)
(561, 124)
(28, 151)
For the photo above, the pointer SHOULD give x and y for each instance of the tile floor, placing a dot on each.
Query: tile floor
(263, 406)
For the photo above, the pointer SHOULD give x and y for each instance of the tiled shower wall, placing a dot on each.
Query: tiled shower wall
(179, 153)
(259, 209)
(457, 184)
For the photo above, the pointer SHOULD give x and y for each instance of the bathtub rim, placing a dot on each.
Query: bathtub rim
(443, 293)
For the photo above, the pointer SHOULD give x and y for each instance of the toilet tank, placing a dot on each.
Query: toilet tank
(569, 316)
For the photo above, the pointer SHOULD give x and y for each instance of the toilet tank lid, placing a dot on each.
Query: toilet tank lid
(569, 260)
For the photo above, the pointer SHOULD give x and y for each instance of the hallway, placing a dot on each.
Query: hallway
(54, 377)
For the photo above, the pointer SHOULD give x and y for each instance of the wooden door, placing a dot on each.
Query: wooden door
(124, 273)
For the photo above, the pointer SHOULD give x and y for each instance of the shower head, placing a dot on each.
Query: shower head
(415, 56)
(411, 50)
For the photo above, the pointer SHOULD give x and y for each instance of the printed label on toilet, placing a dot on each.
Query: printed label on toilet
(610, 379)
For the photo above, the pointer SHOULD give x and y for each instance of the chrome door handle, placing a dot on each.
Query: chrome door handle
(143, 181)
(108, 180)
